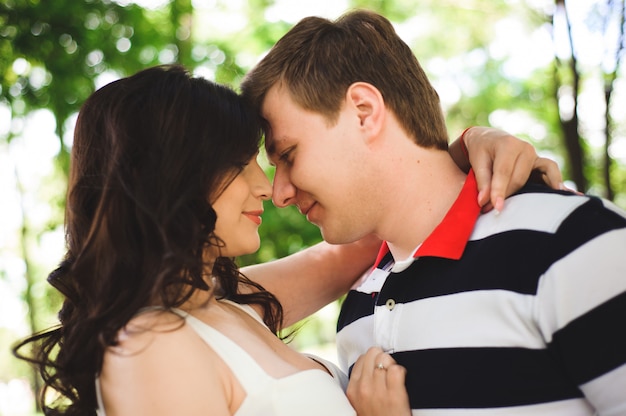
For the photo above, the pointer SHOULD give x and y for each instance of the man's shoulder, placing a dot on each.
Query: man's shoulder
(541, 209)
(542, 198)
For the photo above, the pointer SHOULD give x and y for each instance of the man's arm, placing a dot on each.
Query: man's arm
(582, 305)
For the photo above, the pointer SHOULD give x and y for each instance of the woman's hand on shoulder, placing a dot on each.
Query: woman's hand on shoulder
(502, 164)
(162, 367)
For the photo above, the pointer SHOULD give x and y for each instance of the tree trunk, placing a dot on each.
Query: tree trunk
(36, 382)
(571, 138)
(609, 82)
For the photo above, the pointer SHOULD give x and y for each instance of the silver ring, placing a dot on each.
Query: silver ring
(380, 366)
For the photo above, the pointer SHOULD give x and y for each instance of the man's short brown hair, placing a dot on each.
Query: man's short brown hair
(318, 59)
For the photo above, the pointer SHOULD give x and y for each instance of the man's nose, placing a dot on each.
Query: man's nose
(284, 191)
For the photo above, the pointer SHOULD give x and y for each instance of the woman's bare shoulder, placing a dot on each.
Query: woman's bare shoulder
(146, 327)
(159, 363)
(151, 337)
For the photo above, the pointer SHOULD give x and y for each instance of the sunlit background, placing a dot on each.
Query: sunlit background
(493, 63)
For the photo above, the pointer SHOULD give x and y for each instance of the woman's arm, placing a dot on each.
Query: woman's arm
(306, 281)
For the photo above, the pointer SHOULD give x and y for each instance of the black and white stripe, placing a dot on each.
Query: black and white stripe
(530, 320)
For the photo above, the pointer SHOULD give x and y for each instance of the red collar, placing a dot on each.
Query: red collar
(449, 238)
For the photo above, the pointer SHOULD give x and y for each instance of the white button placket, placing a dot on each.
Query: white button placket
(386, 317)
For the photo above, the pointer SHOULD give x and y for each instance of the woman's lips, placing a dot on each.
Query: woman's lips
(254, 216)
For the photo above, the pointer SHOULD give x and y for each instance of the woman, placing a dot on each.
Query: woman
(164, 192)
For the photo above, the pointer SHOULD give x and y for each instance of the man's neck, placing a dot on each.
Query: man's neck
(421, 200)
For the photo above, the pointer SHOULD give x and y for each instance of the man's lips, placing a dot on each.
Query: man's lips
(305, 210)
(254, 216)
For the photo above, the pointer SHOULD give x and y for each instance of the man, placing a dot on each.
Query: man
(519, 312)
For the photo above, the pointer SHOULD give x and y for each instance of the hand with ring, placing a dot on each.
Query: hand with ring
(377, 385)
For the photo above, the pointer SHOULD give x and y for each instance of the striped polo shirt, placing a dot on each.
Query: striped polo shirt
(517, 313)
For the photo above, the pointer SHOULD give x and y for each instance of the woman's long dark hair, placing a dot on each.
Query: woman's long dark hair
(149, 150)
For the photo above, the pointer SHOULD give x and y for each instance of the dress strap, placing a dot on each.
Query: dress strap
(247, 309)
(247, 371)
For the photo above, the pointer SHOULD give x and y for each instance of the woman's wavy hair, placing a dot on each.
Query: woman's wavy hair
(149, 151)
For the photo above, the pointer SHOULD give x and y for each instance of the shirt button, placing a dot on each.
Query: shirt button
(390, 304)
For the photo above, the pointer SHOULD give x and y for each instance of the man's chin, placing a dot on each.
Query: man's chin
(331, 238)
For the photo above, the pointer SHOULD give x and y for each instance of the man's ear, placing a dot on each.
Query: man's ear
(369, 105)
